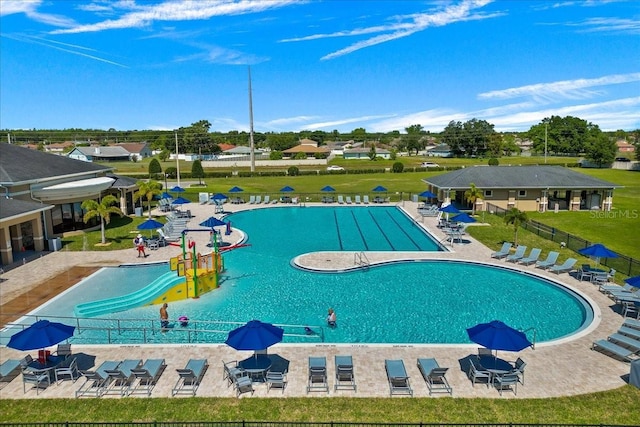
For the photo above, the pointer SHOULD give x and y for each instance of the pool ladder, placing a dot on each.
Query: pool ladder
(360, 259)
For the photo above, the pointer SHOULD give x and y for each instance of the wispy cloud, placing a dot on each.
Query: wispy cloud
(608, 25)
(222, 55)
(565, 89)
(63, 47)
(187, 10)
(30, 8)
(404, 26)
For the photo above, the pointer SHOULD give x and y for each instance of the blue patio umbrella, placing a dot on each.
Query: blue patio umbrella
(255, 335)
(150, 224)
(328, 188)
(449, 209)
(379, 189)
(428, 194)
(180, 201)
(177, 189)
(166, 195)
(598, 251)
(496, 335)
(236, 190)
(633, 281)
(287, 189)
(463, 217)
(212, 222)
(41, 334)
(218, 196)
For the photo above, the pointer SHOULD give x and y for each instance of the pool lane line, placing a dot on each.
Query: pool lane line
(364, 241)
(335, 219)
(381, 230)
(404, 231)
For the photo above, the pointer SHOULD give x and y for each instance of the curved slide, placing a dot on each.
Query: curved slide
(136, 299)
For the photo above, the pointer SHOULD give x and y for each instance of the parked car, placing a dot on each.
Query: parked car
(335, 168)
(429, 165)
(622, 159)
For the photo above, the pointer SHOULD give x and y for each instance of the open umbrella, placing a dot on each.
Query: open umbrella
(255, 335)
(41, 334)
(463, 217)
(328, 188)
(212, 222)
(428, 194)
(598, 251)
(633, 281)
(449, 209)
(218, 196)
(180, 201)
(150, 224)
(287, 189)
(166, 195)
(379, 189)
(236, 190)
(496, 335)
(177, 189)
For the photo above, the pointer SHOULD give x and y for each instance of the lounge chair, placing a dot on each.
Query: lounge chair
(348, 200)
(532, 258)
(625, 341)
(121, 378)
(252, 200)
(345, 378)
(68, 370)
(340, 200)
(318, 374)
(506, 382)
(190, 377)
(358, 201)
(603, 277)
(276, 380)
(37, 379)
(617, 289)
(397, 377)
(147, 376)
(549, 262)
(518, 254)
(267, 199)
(631, 323)
(565, 267)
(365, 199)
(258, 200)
(633, 333)
(9, 370)
(433, 374)
(503, 252)
(96, 382)
(614, 349)
(474, 373)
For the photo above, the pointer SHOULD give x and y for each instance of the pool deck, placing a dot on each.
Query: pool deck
(563, 368)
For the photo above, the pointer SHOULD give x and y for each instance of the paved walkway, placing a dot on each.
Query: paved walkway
(563, 368)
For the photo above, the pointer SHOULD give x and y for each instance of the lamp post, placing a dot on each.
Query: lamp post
(166, 187)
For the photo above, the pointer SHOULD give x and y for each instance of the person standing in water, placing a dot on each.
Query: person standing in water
(164, 317)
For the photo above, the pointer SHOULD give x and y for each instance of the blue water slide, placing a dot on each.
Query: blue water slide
(135, 299)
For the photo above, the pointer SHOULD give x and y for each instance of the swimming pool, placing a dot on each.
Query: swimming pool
(398, 303)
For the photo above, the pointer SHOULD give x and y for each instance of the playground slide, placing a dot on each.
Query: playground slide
(132, 300)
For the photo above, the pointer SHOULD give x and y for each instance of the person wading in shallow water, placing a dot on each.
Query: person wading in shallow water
(164, 317)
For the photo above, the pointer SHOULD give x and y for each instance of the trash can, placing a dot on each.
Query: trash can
(55, 244)
(634, 375)
(138, 211)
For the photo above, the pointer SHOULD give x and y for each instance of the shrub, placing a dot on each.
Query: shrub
(397, 167)
(493, 162)
(275, 155)
(293, 171)
(300, 156)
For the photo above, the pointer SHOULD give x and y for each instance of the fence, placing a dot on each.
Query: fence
(623, 264)
(290, 424)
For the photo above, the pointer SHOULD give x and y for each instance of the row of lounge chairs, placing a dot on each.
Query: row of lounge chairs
(122, 378)
(519, 256)
(624, 344)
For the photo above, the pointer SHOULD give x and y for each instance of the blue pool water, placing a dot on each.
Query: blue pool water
(415, 302)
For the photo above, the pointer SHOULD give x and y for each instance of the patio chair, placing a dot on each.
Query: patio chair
(358, 201)
(190, 377)
(365, 199)
(565, 267)
(243, 385)
(35, 379)
(503, 252)
(121, 378)
(506, 382)
(147, 376)
(606, 346)
(348, 200)
(231, 371)
(70, 370)
(603, 278)
(317, 374)
(584, 272)
(397, 377)
(549, 262)
(345, 378)
(532, 258)
(476, 374)
(276, 380)
(518, 254)
(63, 350)
(519, 369)
(434, 376)
(631, 309)
(9, 370)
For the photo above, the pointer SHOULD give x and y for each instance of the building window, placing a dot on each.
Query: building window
(522, 193)
(488, 193)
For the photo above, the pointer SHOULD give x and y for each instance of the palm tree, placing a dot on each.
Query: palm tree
(516, 217)
(471, 195)
(146, 190)
(103, 209)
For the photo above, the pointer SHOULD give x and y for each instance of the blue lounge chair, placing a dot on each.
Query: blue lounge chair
(318, 374)
(190, 377)
(147, 376)
(518, 254)
(532, 258)
(549, 262)
(631, 323)
(97, 382)
(121, 378)
(633, 333)
(397, 377)
(503, 252)
(625, 341)
(433, 375)
(9, 370)
(345, 378)
(609, 347)
(565, 267)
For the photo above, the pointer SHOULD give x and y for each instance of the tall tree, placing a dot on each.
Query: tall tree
(197, 171)
(104, 209)
(472, 195)
(154, 168)
(601, 150)
(516, 217)
(146, 190)
(563, 135)
(412, 141)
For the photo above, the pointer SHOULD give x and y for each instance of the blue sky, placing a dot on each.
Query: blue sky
(317, 65)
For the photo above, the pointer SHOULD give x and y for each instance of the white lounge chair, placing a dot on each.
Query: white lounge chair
(358, 201)
(348, 199)
(267, 199)
(365, 199)
(252, 200)
(340, 199)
